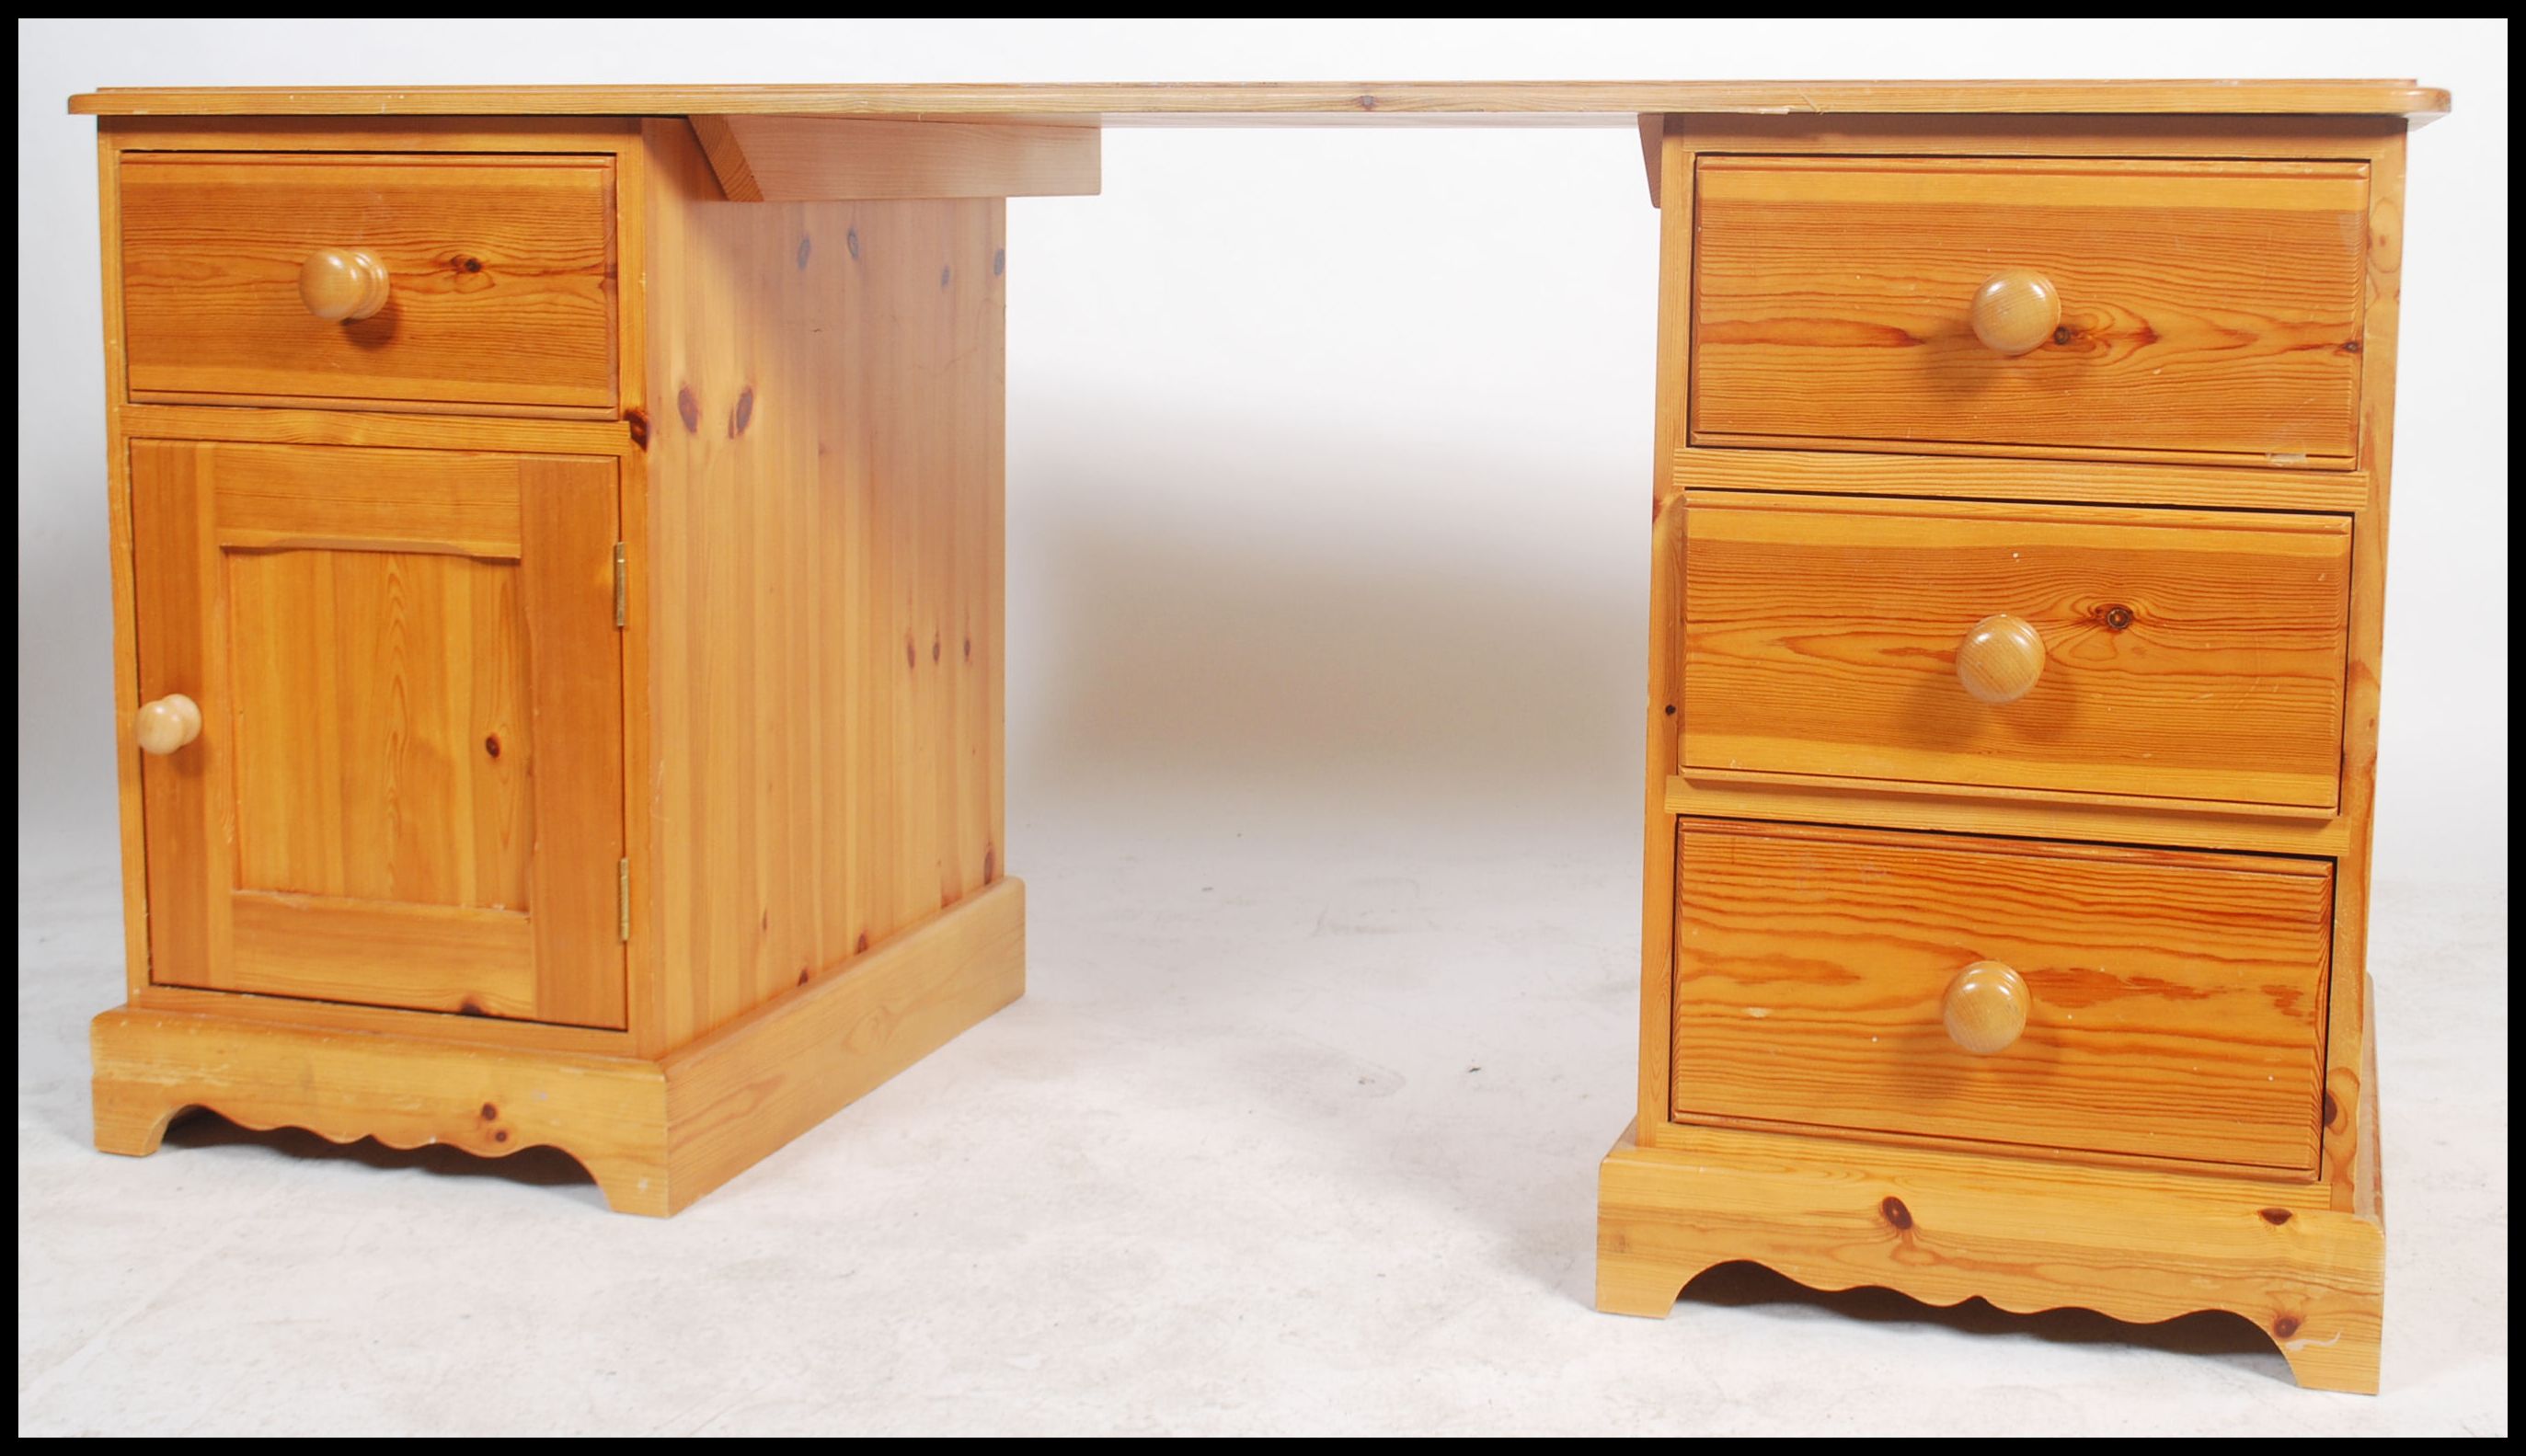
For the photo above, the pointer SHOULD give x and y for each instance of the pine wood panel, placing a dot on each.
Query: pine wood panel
(752, 1085)
(2208, 308)
(822, 577)
(1602, 102)
(2177, 999)
(2351, 1136)
(466, 136)
(1976, 478)
(502, 277)
(607, 1112)
(410, 954)
(2281, 137)
(247, 425)
(843, 159)
(2024, 1235)
(125, 592)
(188, 797)
(439, 411)
(2028, 798)
(395, 1020)
(1665, 636)
(2006, 812)
(365, 692)
(395, 734)
(2188, 655)
(656, 1135)
(567, 531)
(462, 505)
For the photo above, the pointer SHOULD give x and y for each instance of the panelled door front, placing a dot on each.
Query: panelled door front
(387, 684)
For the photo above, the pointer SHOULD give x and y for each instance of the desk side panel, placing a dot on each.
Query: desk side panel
(822, 574)
(1673, 192)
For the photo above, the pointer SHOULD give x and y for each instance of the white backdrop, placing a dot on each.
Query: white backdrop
(1329, 450)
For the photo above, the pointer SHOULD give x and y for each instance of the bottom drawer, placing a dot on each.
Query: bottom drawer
(2173, 1003)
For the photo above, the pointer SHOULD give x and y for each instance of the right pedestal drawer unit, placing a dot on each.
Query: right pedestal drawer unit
(2017, 593)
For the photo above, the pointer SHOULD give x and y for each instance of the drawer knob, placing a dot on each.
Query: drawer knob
(2016, 311)
(2000, 660)
(343, 283)
(168, 723)
(1986, 1007)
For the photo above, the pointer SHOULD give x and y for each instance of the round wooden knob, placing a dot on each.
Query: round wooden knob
(168, 724)
(343, 283)
(1986, 1007)
(2000, 659)
(2016, 310)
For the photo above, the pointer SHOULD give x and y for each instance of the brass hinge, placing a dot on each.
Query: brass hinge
(623, 900)
(622, 585)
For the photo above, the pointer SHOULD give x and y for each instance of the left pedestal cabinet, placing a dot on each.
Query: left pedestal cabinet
(558, 640)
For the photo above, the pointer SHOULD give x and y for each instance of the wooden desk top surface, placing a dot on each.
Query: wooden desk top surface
(1526, 103)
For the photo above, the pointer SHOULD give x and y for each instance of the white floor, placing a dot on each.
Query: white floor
(1288, 1135)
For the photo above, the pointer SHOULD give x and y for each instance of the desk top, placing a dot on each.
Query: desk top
(1297, 103)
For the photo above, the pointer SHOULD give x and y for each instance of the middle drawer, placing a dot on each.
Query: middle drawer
(2182, 655)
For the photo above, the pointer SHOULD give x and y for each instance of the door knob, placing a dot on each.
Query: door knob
(1986, 1007)
(2000, 660)
(166, 725)
(343, 283)
(2016, 310)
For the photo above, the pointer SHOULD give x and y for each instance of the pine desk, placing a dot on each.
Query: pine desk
(557, 579)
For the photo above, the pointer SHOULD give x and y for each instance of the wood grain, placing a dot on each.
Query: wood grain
(189, 798)
(501, 268)
(821, 580)
(2350, 1137)
(365, 688)
(2042, 800)
(410, 954)
(129, 793)
(1608, 103)
(394, 1020)
(440, 410)
(395, 431)
(411, 683)
(1655, 1082)
(2024, 1235)
(748, 1088)
(2192, 656)
(567, 531)
(2279, 136)
(2208, 308)
(1977, 478)
(655, 1136)
(377, 133)
(609, 1113)
(2177, 999)
(314, 500)
(841, 158)
(2004, 812)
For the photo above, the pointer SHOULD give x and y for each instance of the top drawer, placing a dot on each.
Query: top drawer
(491, 279)
(2206, 310)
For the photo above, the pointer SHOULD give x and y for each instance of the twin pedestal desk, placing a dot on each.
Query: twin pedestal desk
(557, 583)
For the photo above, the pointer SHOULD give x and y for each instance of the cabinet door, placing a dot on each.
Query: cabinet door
(407, 785)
